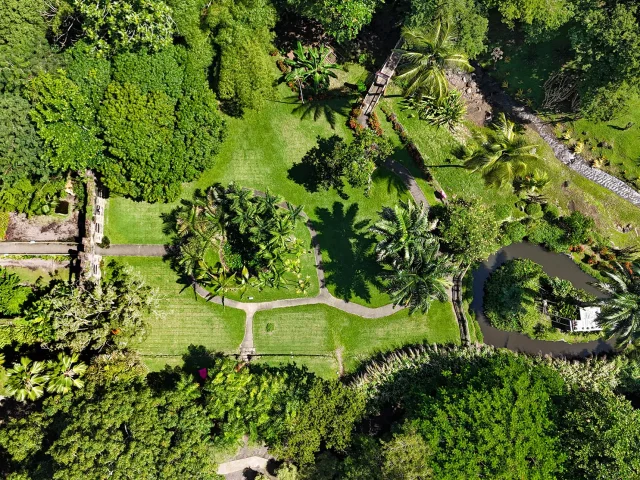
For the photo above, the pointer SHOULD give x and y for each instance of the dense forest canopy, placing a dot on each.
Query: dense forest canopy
(131, 93)
(142, 92)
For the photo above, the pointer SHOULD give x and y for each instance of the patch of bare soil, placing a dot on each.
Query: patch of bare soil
(478, 110)
(34, 264)
(42, 228)
(578, 204)
(340, 362)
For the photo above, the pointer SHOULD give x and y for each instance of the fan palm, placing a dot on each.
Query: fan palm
(65, 373)
(404, 229)
(310, 66)
(426, 56)
(26, 380)
(620, 312)
(424, 281)
(504, 154)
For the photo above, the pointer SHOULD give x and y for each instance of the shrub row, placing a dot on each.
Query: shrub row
(411, 147)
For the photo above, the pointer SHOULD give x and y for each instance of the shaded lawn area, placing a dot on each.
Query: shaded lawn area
(182, 318)
(437, 145)
(322, 330)
(259, 153)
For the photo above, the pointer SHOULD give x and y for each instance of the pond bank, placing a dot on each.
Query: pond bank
(554, 264)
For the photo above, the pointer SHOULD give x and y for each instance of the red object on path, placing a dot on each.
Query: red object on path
(203, 373)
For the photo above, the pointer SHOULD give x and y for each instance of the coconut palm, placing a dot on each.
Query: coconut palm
(66, 373)
(426, 56)
(310, 66)
(504, 154)
(404, 229)
(424, 281)
(26, 380)
(620, 311)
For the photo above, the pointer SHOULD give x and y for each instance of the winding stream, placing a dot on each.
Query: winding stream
(554, 264)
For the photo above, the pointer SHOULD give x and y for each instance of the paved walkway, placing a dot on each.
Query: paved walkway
(133, 250)
(247, 348)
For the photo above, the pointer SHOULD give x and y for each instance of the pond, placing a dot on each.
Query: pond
(554, 264)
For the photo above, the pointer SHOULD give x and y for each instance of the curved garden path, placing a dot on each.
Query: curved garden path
(324, 296)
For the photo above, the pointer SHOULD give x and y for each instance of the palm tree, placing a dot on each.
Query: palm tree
(533, 182)
(424, 281)
(310, 66)
(426, 56)
(405, 229)
(26, 380)
(620, 311)
(65, 373)
(504, 155)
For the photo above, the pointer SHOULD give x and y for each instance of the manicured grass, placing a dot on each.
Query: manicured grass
(259, 152)
(27, 275)
(437, 145)
(322, 330)
(183, 319)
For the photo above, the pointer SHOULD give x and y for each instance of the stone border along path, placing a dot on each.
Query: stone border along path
(497, 97)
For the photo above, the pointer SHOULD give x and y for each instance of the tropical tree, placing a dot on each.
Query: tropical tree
(309, 66)
(426, 55)
(405, 230)
(416, 286)
(65, 373)
(620, 311)
(26, 380)
(504, 155)
(228, 236)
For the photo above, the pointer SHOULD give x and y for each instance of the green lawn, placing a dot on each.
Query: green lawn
(437, 146)
(313, 334)
(182, 319)
(523, 72)
(30, 276)
(259, 152)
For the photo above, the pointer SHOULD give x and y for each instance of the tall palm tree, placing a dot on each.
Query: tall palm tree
(26, 380)
(424, 281)
(620, 312)
(426, 56)
(66, 373)
(504, 154)
(310, 66)
(404, 229)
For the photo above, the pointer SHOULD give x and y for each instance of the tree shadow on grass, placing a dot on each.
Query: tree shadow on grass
(352, 267)
(392, 181)
(328, 109)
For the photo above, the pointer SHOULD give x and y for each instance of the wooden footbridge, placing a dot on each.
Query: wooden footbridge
(379, 85)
